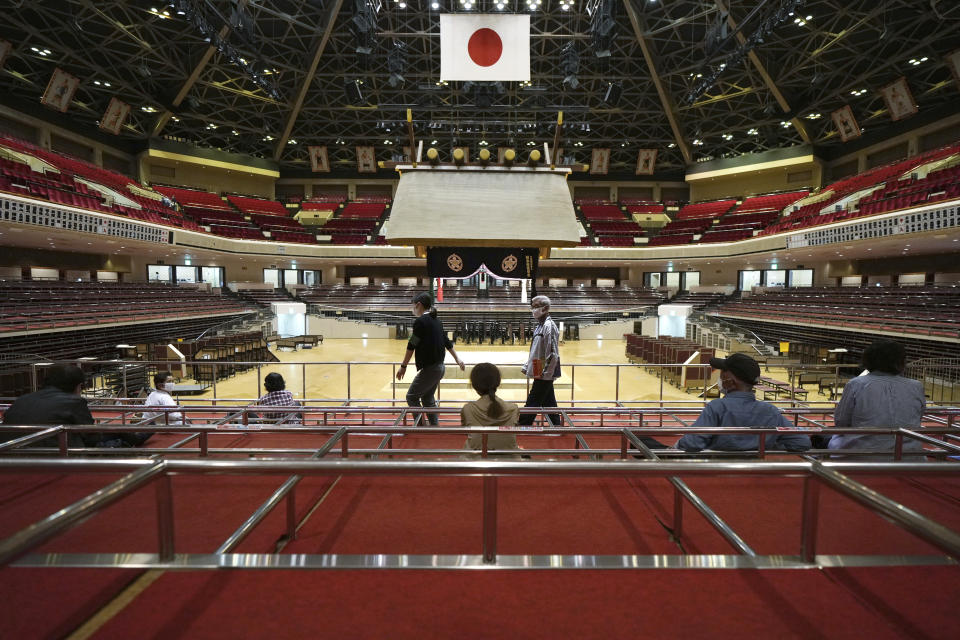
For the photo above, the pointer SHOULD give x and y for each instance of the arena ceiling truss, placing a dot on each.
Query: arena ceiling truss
(152, 55)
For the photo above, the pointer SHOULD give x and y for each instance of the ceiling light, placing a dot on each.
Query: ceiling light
(752, 132)
(435, 6)
(148, 109)
(814, 116)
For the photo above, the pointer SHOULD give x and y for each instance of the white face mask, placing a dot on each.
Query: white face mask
(168, 386)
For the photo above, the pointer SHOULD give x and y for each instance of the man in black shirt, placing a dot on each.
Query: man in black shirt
(428, 343)
(58, 402)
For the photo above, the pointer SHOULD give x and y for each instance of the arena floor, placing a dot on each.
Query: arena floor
(371, 374)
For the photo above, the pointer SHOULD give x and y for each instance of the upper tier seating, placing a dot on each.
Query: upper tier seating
(644, 207)
(705, 209)
(44, 304)
(349, 225)
(258, 205)
(593, 212)
(773, 202)
(320, 205)
(921, 310)
(371, 210)
(194, 198)
(824, 211)
(937, 185)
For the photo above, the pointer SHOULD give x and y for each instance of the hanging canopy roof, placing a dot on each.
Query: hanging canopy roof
(482, 207)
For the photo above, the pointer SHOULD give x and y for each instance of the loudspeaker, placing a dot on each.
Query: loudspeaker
(612, 95)
(353, 89)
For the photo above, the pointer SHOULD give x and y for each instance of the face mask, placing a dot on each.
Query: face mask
(168, 386)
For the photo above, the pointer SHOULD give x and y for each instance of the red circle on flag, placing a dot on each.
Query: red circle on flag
(485, 47)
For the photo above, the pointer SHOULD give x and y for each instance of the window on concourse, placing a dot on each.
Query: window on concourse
(159, 273)
(749, 278)
(690, 279)
(801, 277)
(271, 276)
(186, 274)
(212, 276)
(775, 278)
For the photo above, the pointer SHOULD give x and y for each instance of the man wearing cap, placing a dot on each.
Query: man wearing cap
(738, 407)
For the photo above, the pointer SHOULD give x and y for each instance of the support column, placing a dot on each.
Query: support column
(523, 291)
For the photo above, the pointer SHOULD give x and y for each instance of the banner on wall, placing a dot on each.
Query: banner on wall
(319, 161)
(600, 162)
(646, 160)
(899, 99)
(846, 124)
(60, 90)
(115, 115)
(953, 61)
(5, 49)
(366, 160)
(463, 262)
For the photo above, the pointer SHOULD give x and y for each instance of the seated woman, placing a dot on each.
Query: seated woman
(277, 396)
(489, 410)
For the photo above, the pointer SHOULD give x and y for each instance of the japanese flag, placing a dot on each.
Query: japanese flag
(485, 47)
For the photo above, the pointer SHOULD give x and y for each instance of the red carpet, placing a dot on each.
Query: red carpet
(867, 603)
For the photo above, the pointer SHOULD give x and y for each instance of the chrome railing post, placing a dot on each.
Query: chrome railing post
(203, 444)
(677, 514)
(349, 397)
(616, 387)
(573, 380)
(292, 514)
(62, 442)
(303, 380)
(165, 517)
(214, 380)
(489, 519)
(898, 446)
(259, 382)
(810, 516)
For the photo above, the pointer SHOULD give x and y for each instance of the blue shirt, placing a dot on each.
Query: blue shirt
(879, 400)
(742, 409)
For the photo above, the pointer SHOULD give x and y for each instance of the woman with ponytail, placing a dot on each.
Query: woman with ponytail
(489, 410)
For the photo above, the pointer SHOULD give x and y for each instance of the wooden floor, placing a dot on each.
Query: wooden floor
(320, 374)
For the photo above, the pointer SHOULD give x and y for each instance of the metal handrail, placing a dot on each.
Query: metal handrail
(143, 471)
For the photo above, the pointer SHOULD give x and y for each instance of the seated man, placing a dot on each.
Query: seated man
(882, 398)
(58, 402)
(740, 408)
(277, 396)
(163, 385)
